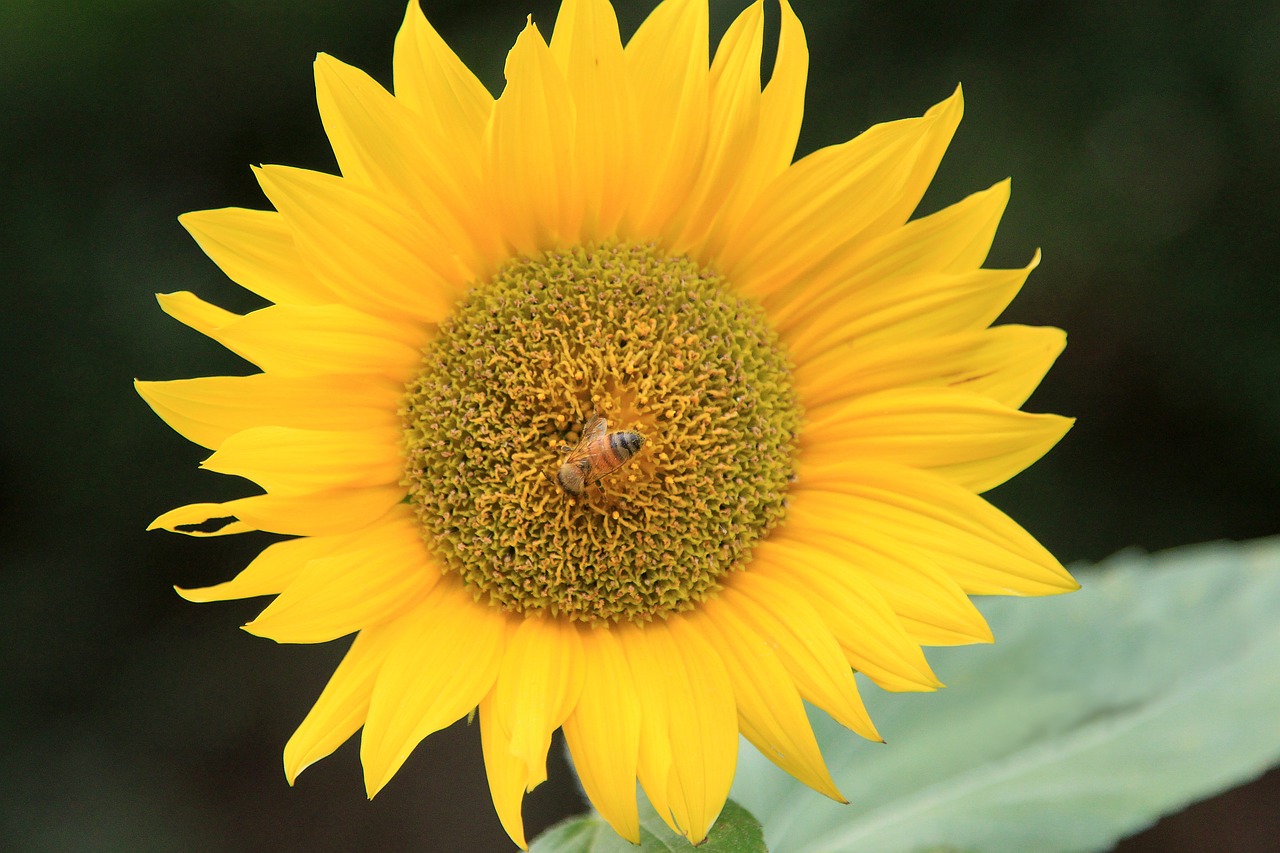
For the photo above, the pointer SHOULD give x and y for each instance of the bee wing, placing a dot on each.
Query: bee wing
(593, 429)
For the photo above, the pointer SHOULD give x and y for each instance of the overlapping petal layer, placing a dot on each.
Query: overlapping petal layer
(912, 399)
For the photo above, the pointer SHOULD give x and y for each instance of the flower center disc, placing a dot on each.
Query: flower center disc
(655, 345)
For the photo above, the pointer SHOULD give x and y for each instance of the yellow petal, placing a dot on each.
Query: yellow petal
(782, 104)
(443, 663)
(836, 195)
(1005, 363)
(538, 685)
(343, 704)
(529, 146)
(902, 310)
(255, 249)
(289, 461)
(271, 571)
(507, 774)
(932, 607)
(983, 549)
(778, 128)
(941, 121)
(956, 239)
(208, 409)
(864, 624)
(319, 514)
(731, 133)
(704, 736)
(770, 711)
(965, 437)
(653, 763)
(377, 255)
(379, 142)
(603, 732)
(380, 575)
(588, 50)
(700, 722)
(668, 65)
(431, 79)
(804, 643)
(296, 340)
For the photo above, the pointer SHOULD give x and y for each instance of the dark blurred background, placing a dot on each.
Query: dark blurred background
(1144, 142)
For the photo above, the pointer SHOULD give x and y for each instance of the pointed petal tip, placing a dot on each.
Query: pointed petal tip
(189, 594)
(1069, 584)
(292, 768)
(372, 786)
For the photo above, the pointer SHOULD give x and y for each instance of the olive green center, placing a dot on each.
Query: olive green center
(655, 345)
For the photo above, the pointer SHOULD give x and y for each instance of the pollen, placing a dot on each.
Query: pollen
(655, 345)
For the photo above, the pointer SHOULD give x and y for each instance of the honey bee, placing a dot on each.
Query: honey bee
(597, 454)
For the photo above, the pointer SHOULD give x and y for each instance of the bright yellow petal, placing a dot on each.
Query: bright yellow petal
(538, 685)
(704, 736)
(386, 571)
(374, 253)
(507, 773)
(806, 647)
(1005, 363)
(209, 409)
(987, 552)
(966, 437)
(870, 633)
(443, 663)
(603, 732)
(653, 763)
(731, 133)
(835, 196)
(933, 608)
(296, 340)
(782, 107)
(701, 722)
(588, 50)
(529, 146)
(781, 110)
(255, 249)
(343, 704)
(941, 119)
(378, 141)
(431, 79)
(956, 239)
(271, 571)
(770, 711)
(319, 514)
(667, 60)
(903, 310)
(291, 461)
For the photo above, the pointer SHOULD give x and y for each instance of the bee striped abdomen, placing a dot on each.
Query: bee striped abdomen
(623, 445)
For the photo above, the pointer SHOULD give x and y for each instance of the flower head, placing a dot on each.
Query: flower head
(791, 397)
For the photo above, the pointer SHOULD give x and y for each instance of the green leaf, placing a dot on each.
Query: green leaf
(736, 831)
(1095, 713)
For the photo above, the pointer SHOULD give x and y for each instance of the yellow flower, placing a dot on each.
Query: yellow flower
(622, 233)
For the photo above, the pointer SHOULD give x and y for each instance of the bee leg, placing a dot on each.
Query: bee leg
(602, 496)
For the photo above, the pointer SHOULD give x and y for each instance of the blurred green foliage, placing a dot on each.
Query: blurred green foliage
(1143, 142)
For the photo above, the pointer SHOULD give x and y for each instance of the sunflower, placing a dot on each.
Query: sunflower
(794, 394)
